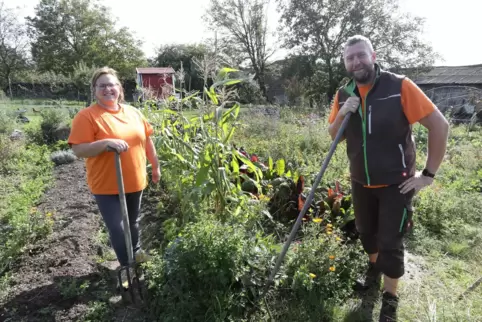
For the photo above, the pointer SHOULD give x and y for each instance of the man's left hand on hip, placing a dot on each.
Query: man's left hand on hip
(417, 182)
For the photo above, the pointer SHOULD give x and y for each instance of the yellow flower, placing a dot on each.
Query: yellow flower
(338, 239)
(329, 225)
(332, 268)
(312, 275)
(331, 257)
(317, 220)
(329, 232)
(263, 197)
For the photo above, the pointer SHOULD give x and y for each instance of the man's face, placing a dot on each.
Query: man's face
(359, 62)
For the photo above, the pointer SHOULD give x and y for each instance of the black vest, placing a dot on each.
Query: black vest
(381, 150)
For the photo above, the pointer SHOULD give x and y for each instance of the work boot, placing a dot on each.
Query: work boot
(388, 312)
(372, 278)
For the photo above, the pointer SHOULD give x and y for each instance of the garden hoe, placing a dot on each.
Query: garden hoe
(135, 292)
(306, 206)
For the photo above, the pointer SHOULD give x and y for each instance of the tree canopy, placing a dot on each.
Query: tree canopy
(67, 32)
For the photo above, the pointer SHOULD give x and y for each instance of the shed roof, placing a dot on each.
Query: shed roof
(471, 74)
(155, 70)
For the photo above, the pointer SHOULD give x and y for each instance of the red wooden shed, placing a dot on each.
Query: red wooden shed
(160, 80)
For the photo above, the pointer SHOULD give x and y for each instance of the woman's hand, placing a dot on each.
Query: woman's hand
(156, 174)
(117, 145)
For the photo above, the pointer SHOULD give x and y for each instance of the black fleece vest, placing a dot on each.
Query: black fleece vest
(381, 150)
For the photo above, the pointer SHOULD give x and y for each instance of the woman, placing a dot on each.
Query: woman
(108, 123)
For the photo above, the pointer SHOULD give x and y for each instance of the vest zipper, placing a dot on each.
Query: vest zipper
(370, 119)
(364, 128)
(403, 155)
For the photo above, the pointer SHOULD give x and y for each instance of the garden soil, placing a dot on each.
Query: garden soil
(61, 278)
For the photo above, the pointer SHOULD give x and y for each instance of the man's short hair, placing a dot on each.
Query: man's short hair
(356, 39)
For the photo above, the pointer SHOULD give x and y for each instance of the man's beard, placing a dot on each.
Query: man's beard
(365, 77)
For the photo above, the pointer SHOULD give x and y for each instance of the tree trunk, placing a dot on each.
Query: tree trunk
(10, 85)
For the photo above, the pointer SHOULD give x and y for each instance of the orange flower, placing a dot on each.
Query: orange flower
(331, 257)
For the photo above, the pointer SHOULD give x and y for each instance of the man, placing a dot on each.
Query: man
(382, 161)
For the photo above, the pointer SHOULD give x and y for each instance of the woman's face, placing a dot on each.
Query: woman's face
(107, 89)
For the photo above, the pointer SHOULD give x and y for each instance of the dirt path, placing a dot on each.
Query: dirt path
(61, 278)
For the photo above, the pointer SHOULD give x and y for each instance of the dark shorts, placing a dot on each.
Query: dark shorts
(383, 217)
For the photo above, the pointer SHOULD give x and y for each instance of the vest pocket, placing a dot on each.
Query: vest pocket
(403, 155)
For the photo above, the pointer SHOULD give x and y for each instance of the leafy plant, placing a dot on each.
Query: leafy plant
(63, 157)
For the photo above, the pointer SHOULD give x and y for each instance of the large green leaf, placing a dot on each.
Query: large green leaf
(212, 95)
(202, 175)
(280, 167)
(256, 170)
(226, 82)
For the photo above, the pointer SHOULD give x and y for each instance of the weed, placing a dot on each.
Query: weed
(63, 157)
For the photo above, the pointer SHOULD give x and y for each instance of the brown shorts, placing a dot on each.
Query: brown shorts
(383, 217)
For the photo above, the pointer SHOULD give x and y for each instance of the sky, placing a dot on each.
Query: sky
(447, 28)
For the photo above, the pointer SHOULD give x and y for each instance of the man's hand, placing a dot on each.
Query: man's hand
(156, 175)
(417, 182)
(351, 105)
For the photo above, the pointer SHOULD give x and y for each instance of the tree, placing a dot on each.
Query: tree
(244, 25)
(173, 55)
(68, 32)
(320, 27)
(13, 46)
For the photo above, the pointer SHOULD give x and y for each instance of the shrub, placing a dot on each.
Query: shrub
(318, 275)
(52, 120)
(210, 272)
(8, 149)
(63, 157)
(7, 122)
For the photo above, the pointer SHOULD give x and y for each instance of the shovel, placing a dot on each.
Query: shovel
(134, 292)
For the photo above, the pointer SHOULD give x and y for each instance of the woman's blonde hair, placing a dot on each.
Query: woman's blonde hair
(106, 71)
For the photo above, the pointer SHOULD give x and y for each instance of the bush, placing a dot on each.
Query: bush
(7, 122)
(8, 150)
(210, 273)
(52, 121)
(318, 275)
(63, 157)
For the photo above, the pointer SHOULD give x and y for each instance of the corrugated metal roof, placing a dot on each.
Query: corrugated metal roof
(155, 70)
(451, 75)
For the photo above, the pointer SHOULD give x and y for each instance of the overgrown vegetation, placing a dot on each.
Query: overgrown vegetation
(222, 233)
(25, 172)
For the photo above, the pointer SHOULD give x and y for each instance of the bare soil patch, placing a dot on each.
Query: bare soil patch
(61, 278)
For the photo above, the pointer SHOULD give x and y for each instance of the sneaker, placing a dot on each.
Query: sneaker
(142, 257)
(388, 312)
(372, 277)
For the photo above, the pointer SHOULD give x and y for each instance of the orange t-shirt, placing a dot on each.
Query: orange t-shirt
(96, 123)
(416, 105)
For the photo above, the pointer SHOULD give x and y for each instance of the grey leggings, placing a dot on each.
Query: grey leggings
(109, 206)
